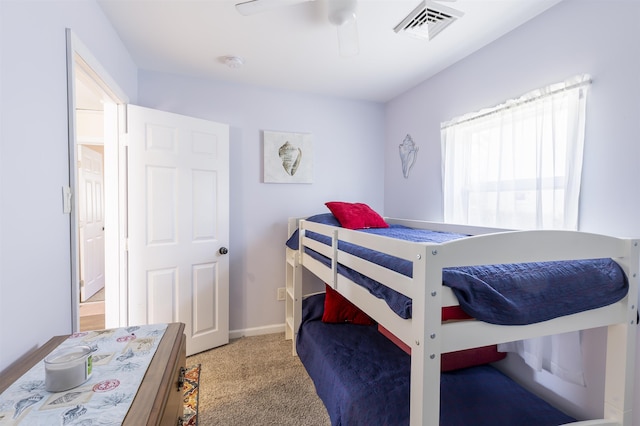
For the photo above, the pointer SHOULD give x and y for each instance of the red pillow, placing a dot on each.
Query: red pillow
(454, 360)
(454, 313)
(356, 215)
(470, 358)
(399, 343)
(337, 309)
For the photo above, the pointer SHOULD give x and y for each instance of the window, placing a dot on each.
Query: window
(517, 165)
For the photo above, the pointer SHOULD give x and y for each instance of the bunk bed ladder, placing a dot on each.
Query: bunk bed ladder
(293, 291)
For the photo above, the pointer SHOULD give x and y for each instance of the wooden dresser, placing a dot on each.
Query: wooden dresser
(159, 400)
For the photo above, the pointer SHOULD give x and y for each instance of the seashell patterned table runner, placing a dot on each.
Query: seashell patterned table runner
(121, 357)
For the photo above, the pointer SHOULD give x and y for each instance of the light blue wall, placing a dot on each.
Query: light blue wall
(35, 289)
(576, 36)
(35, 277)
(348, 148)
(598, 37)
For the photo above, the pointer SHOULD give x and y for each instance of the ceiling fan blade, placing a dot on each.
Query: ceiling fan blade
(348, 38)
(251, 7)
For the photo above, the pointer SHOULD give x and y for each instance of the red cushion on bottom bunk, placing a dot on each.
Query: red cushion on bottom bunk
(470, 358)
(399, 343)
(337, 309)
(454, 313)
(454, 360)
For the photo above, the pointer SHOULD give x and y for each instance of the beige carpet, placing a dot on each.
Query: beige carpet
(256, 381)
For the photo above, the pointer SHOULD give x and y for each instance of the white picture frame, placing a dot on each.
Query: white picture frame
(288, 157)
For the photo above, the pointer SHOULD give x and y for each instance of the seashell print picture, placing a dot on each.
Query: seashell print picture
(288, 157)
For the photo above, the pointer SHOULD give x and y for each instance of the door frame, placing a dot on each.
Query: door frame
(78, 55)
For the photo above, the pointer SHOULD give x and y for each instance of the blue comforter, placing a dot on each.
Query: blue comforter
(363, 379)
(509, 294)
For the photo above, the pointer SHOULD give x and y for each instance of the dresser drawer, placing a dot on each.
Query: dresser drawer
(159, 401)
(174, 405)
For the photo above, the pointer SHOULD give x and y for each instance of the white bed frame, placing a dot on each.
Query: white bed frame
(428, 337)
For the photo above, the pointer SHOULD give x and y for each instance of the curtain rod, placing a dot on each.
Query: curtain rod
(522, 102)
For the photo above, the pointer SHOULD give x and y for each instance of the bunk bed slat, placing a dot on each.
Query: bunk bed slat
(470, 334)
(529, 246)
(387, 277)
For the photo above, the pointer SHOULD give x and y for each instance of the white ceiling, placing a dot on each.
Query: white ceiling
(295, 48)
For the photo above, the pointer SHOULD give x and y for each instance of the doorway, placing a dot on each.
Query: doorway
(147, 151)
(89, 201)
(97, 180)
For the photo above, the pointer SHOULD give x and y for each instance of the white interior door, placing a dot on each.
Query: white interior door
(90, 221)
(179, 224)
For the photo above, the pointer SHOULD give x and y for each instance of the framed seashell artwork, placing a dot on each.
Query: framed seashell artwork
(288, 157)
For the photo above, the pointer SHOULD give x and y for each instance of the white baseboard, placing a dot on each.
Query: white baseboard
(256, 331)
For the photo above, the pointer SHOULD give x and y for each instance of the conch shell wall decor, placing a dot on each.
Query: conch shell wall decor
(284, 161)
(290, 156)
(408, 154)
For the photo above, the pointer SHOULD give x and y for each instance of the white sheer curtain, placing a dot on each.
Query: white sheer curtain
(518, 165)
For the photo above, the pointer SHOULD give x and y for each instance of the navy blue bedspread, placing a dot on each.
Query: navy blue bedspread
(363, 379)
(510, 294)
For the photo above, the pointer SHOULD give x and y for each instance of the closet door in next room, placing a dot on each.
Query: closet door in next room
(91, 220)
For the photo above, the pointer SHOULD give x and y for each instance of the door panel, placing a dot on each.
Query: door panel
(178, 220)
(161, 204)
(204, 212)
(204, 318)
(162, 299)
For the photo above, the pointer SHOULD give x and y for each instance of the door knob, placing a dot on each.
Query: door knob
(223, 250)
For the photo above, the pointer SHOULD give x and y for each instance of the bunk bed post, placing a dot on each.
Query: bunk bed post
(334, 259)
(425, 348)
(293, 291)
(621, 343)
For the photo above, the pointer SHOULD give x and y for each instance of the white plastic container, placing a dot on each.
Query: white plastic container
(67, 368)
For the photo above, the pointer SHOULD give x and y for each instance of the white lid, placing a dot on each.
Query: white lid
(68, 355)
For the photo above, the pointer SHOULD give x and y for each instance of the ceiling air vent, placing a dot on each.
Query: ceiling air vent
(428, 20)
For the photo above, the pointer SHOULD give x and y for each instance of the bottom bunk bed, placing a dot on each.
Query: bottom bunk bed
(363, 379)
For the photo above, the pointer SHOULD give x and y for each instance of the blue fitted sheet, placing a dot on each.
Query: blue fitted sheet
(509, 294)
(363, 379)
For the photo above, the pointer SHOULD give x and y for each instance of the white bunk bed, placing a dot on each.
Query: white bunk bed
(429, 337)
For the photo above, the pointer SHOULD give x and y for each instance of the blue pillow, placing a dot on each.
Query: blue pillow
(324, 218)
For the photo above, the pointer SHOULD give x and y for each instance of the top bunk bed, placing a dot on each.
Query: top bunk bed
(405, 273)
